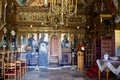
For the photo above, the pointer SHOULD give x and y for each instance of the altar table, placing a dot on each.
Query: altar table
(108, 65)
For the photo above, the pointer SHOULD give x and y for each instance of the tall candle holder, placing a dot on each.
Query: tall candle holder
(4, 39)
(13, 44)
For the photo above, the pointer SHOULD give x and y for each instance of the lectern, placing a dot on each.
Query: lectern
(80, 60)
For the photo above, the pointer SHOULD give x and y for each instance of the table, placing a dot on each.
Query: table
(108, 65)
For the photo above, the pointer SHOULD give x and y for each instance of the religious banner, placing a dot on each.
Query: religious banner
(107, 47)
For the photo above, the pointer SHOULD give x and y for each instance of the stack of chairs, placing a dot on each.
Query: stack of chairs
(15, 68)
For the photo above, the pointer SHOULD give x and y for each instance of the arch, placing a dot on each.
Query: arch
(54, 48)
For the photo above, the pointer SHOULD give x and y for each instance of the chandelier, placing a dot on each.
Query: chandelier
(60, 11)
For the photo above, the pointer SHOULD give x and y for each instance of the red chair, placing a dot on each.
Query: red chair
(10, 71)
(23, 67)
(18, 69)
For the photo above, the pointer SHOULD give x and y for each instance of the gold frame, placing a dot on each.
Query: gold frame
(104, 16)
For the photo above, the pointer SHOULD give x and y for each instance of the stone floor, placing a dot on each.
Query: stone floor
(61, 73)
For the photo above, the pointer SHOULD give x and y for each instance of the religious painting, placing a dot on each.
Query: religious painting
(31, 38)
(65, 40)
(23, 42)
(31, 49)
(66, 48)
(43, 49)
(107, 28)
(74, 40)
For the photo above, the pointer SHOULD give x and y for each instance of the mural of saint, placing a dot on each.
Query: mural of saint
(43, 50)
(30, 48)
(66, 49)
(65, 42)
(30, 40)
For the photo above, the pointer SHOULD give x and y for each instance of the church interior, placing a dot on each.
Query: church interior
(59, 39)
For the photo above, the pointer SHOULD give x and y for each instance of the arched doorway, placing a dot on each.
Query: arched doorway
(54, 49)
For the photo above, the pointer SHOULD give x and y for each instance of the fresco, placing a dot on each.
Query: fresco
(66, 49)
(43, 49)
(31, 47)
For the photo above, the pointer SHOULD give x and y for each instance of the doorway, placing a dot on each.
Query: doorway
(54, 49)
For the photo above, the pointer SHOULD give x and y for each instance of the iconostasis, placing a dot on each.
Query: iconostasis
(56, 46)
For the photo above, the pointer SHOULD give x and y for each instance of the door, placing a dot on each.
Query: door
(54, 49)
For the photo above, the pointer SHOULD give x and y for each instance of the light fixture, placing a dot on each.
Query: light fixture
(78, 27)
(13, 38)
(82, 48)
(13, 33)
(31, 25)
(4, 38)
(61, 10)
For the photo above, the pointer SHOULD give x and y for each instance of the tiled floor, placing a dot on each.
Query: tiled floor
(64, 73)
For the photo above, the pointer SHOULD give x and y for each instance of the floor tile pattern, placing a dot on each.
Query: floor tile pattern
(58, 74)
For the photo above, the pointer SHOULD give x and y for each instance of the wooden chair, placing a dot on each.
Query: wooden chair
(10, 71)
(1, 64)
(18, 70)
(23, 67)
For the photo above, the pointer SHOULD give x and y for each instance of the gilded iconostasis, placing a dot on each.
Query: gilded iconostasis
(53, 47)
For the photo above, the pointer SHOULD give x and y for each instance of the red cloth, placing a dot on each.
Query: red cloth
(113, 8)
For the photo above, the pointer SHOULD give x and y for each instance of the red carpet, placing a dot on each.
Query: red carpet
(92, 72)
